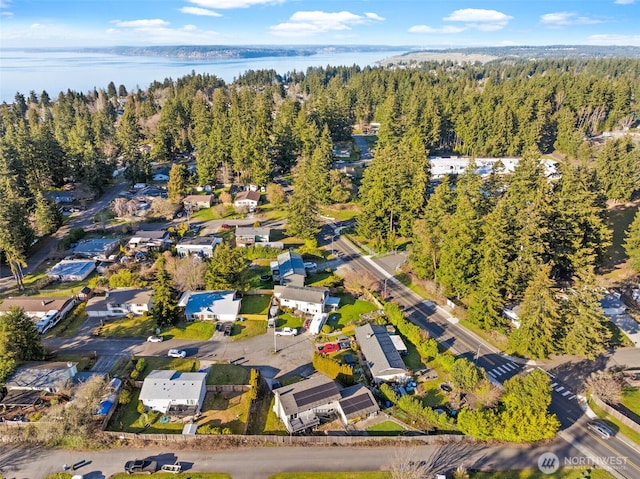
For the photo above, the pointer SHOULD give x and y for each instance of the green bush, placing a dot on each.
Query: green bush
(73, 236)
(140, 408)
(134, 374)
(208, 429)
(125, 397)
(261, 252)
(140, 364)
(326, 329)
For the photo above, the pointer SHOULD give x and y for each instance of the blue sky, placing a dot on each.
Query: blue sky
(422, 23)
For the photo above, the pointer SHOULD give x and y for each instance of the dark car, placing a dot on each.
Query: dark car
(146, 466)
(225, 226)
(228, 328)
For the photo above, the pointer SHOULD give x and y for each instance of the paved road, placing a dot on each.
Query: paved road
(255, 462)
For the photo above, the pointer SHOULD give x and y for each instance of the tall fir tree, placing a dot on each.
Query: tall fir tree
(164, 309)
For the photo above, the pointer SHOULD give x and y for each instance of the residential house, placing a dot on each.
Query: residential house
(309, 300)
(71, 270)
(250, 236)
(289, 269)
(45, 311)
(149, 240)
(199, 245)
(612, 304)
(99, 249)
(210, 305)
(307, 403)
(174, 393)
(247, 199)
(42, 376)
(120, 302)
(197, 202)
(615, 309)
(381, 355)
(59, 197)
(161, 175)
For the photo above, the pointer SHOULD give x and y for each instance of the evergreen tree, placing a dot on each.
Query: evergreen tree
(177, 182)
(19, 341)
(164, 309)
(539, 318)
(585, 325)
(48, 217)
(227, 269)
(632, 243)
(303, 221)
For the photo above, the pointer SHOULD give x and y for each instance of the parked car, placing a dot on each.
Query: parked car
(145, 466)
(601, 429)
(172, 468)
(225, 226)
(286, 332)
(177, 353)
(329, 348)
(155, 339)
(228, 328)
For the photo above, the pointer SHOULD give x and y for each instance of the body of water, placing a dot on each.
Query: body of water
(23, 71)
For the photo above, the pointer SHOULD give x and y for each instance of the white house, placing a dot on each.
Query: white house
(174, 393)
(382, 357)
(310, 300)
(71, 270)
(150, 240)
(197, 202)
(307, 403)
(120, 302)
(210, 305)
(199, 245)
(248, 199)
(45, 311)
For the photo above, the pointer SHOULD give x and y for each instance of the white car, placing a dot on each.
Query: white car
(155, 339)
(286, 332)
(177, 353)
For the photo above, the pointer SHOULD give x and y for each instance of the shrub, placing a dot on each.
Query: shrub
(141, 408)
(326, 328)
(140, 364)
(208, 429)
(73, 236)
(134, 374)
(125, 397)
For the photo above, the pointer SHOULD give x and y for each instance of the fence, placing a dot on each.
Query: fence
(616, 414)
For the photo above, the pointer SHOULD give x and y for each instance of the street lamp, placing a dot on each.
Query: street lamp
(332, 237)
(477, 354)
(385, 287)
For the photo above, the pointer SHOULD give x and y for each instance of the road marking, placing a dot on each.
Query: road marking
(491, 374)
(559, 389)
(554, 385)
(566, 393)
(573, 396)
(511, 366)
(499, 368)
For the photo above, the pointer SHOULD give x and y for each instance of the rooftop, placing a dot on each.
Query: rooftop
(215, 302)
(199, 241)
(248, 195)
(95, 247)
(31, 304)
(170, 384)
(307, 394)
(308, 294)
(41, 375)
(72, 268)
(251, 231)
(379, 351)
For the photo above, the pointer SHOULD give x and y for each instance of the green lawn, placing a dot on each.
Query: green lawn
(66, 288)
(128, 419)
(290, 321)
(70, 325)
(137, 326)
(631, 399)
(224, 373)
(195, 330)
(182, 475)
(272, 423)
(412, 359)
(254, 274)
(248, 329)
(350, 310)
(205, 214)
(184, 365)
(255, 304)
(386, 428)
(348, 213)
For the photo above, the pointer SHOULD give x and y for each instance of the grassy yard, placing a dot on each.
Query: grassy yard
(128, 419)
(185, 365)
(347, 213)
(255, 282)
(255, 304)
(350, 310)
(226, 410)
(290, 321)
(137, 326)
(412, 359)
(224, 373)
(70, 325)
(631, 399)
(270, 423)
(248, 329)
(195, 330)
(386, 428)
(182, 475)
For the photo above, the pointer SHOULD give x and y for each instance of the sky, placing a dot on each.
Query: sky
(419, 23)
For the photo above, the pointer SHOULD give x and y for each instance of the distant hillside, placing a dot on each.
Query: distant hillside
(195, 52)
(485, 54)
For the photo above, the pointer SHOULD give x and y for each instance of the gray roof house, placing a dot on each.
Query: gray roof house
(147, 240)
(41, 376)
(289, 269)
(99, 249)
(210, 305)
(200, 245)
(45, 311)
(310, 300)
(120, 302)
(382, 357)
(71, 270)
(248, 236)
(305, 404)
(174, 393)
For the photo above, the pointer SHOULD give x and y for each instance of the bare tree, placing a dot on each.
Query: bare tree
(607, 386)
(120, 207)
(187, 273)
(361, 282)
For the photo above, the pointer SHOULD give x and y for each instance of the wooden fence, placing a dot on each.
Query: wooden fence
(627, 421)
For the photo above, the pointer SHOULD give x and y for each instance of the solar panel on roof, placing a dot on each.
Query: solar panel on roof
(357, 403)
(314, 394)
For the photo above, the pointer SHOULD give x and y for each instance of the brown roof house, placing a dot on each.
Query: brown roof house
(197, 202)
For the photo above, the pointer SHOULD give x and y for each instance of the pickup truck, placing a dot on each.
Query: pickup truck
(145, 466)
(172, 468)
(286, 332)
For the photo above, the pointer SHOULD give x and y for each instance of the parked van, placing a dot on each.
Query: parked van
(172, 468)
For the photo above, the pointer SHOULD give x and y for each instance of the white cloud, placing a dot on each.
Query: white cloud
(229, 4)
(374, 16)
(143, 23)
(5, 3)
(302, 24)
(566, 18)
(478, 15)
(205, 12)
(6, 14)
(446, 29)
(624, 2)
(473, 19)
(37, 26)
(614, 39)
